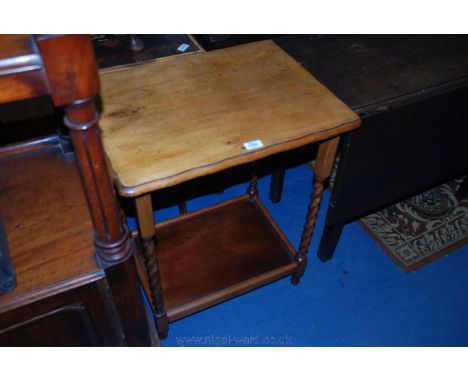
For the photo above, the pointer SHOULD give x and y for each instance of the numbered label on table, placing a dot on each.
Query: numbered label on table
(251, 145)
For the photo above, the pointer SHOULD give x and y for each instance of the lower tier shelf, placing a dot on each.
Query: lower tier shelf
(211, 255)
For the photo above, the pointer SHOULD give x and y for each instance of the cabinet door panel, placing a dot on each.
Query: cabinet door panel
(81, 317)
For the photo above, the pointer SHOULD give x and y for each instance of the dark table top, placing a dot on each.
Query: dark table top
(372, 71)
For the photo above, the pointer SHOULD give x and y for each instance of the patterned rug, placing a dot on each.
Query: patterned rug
(421, 228)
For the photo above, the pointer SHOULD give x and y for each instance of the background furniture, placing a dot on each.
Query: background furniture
(113, 50)
(76, 280)
(219, 41)
(412, 95)
(34, 118)
(136, 44)
(181, 118)
(7, 272)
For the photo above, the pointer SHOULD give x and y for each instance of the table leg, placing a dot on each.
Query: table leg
(276, 185)
(252, 191)
(325, 157)
(181, 201)
(277, 178)
(182, 207)
(329, 241)
(144, 212)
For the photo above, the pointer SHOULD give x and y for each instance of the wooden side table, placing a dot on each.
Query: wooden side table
(184, 117)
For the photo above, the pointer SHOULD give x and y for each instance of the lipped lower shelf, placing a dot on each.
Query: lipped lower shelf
(214, 254)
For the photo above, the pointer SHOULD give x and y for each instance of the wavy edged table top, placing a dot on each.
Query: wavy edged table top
(187, 116)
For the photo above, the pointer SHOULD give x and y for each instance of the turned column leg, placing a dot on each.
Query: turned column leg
(144, 211)
(111, 237)
(73, 82)
(323, 166)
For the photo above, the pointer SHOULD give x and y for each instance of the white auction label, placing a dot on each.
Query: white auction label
(250, 145)
(183, 47)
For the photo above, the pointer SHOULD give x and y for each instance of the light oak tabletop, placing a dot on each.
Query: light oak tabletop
(186, 116)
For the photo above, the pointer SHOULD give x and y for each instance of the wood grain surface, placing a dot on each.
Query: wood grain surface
(21, 74)
(183, 117)
(214, 254)
(48, 226)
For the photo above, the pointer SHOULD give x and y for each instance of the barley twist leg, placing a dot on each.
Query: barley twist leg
(154, 281)
(308, 229)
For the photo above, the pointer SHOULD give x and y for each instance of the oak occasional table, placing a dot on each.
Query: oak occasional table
(184, 117)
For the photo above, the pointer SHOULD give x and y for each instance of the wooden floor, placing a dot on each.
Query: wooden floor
(48, 227)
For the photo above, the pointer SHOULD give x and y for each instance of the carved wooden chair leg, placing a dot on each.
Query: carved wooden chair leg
(325, 157)
(252, 190)
(144, 211)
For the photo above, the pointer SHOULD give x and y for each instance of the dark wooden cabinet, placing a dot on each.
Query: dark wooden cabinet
(62, 297)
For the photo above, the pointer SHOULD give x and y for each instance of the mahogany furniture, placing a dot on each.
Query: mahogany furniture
(73, 255)
(180, 118)
(412, 95)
